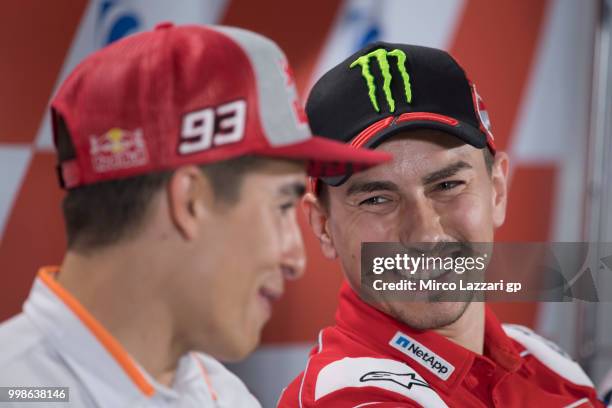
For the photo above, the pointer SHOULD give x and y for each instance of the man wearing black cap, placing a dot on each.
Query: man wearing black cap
(446, 184)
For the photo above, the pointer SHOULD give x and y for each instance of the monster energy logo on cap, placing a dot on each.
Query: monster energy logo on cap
(381, 56)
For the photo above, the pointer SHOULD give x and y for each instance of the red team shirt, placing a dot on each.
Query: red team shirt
(369, 359)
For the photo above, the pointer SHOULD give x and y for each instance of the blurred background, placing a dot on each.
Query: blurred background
(541, 66)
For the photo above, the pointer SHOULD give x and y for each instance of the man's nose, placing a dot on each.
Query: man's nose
(421, 226)
(293, 260)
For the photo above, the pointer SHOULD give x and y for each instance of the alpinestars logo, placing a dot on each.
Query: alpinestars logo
(422, 355)
(382, 57)
(405, 380)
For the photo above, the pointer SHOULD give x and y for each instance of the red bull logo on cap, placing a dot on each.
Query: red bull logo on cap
(118, 149)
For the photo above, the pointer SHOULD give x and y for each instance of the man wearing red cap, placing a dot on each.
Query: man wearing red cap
(445, 187)
(182, 151)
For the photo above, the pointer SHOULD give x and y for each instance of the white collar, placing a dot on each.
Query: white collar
(106, 370)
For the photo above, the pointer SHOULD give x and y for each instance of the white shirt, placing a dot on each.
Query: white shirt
(56, 342)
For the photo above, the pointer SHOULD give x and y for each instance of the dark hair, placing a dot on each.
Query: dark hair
(103, 213)
(323, 190)
(489, 159)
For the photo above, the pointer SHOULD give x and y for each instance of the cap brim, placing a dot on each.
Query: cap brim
(328, 158)
(461, 130)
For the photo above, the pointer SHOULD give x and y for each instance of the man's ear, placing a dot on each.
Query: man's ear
(317, 217)
(499, 180)
(190, 200)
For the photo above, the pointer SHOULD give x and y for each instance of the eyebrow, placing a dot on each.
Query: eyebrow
(295, 189)
(369, 186)
(447, 171)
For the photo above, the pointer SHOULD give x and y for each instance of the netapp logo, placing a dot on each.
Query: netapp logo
(422, 355)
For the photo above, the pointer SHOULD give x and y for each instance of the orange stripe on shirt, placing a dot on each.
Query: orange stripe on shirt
(47, 276)
(213, 393)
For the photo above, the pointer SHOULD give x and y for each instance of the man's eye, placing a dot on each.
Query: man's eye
(376, 200)
(448, 185)
(285, 207)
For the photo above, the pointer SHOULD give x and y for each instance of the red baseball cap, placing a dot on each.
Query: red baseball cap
(182, 95)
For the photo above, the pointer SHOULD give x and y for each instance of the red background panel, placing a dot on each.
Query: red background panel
(33, 236)
(300, 28)
(34, 38)
(496, 41)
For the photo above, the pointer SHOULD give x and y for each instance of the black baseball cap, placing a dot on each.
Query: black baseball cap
(387, 88)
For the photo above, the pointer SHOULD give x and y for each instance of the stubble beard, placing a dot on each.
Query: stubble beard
(426, 316)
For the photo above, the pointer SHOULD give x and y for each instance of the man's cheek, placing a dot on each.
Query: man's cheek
(376, 228)
(471, 218)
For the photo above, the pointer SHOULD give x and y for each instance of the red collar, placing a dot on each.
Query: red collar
(443, 363)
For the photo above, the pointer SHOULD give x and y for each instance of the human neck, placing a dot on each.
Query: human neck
(117, 287)
(468, 330)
